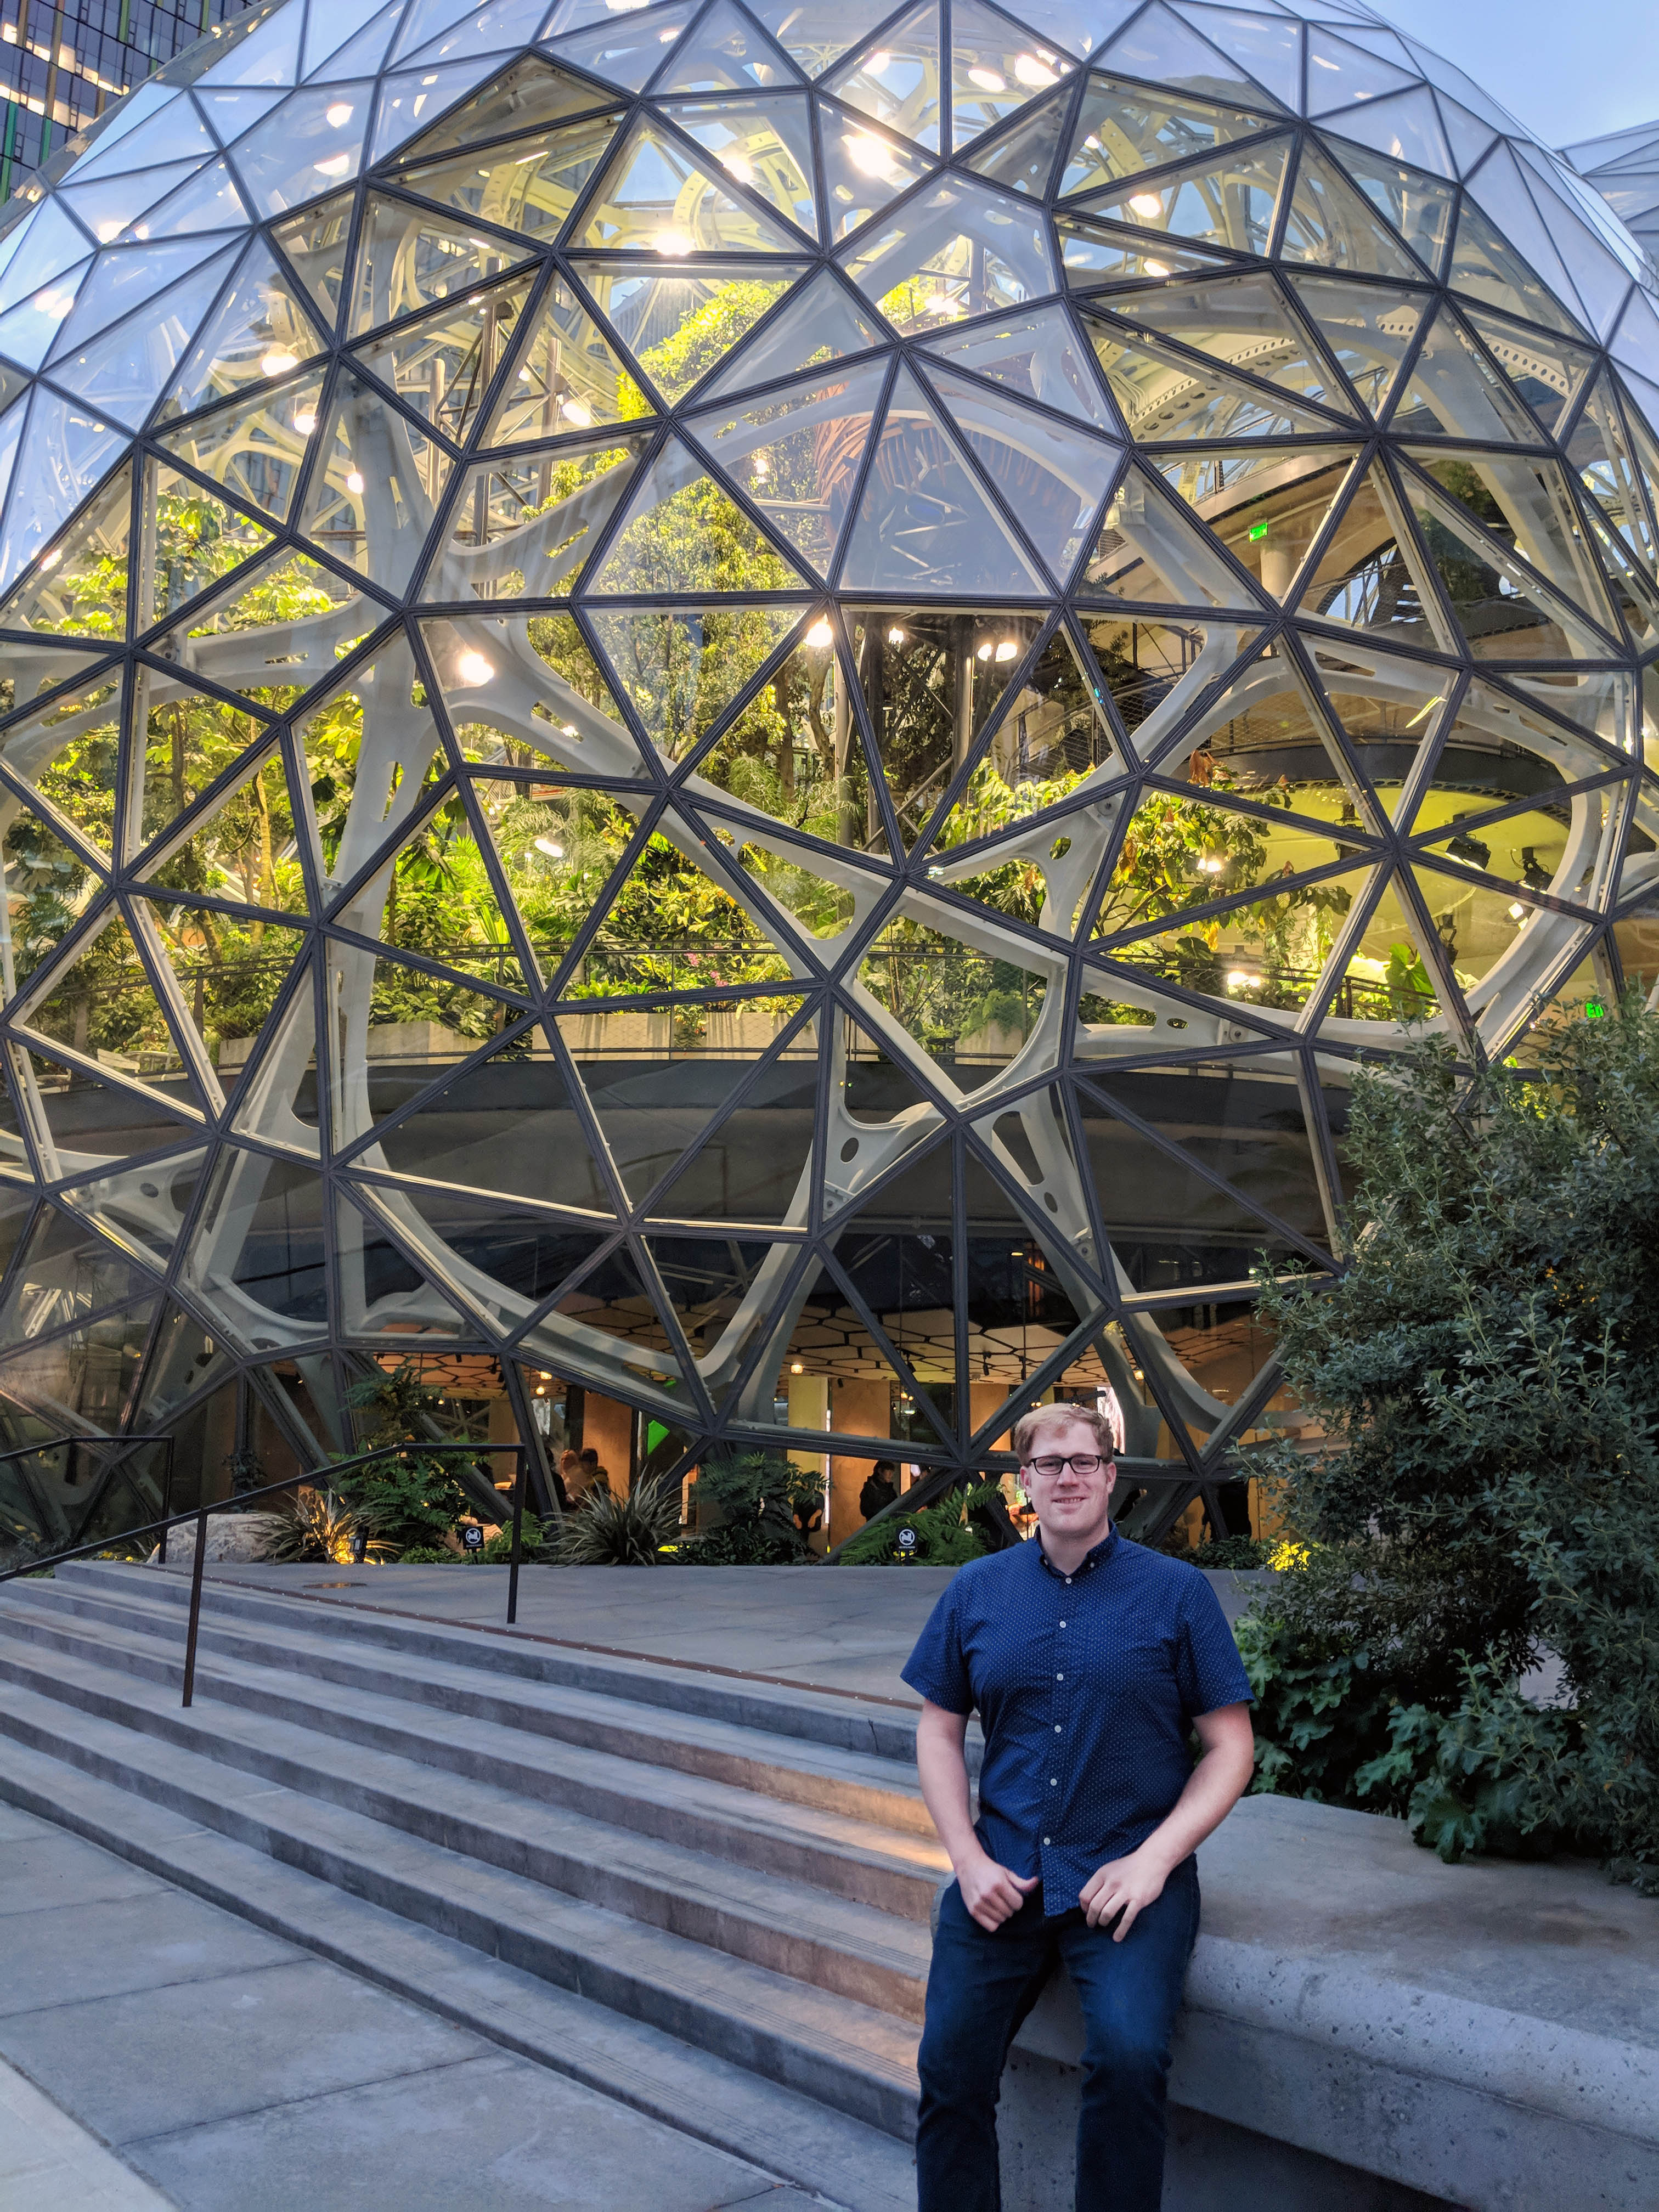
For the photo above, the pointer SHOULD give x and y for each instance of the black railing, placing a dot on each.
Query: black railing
(316, 1479)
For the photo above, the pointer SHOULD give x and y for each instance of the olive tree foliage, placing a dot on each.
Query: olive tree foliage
(1486, 1374)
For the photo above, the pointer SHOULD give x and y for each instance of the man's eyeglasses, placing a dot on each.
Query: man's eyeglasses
(1080, 1463)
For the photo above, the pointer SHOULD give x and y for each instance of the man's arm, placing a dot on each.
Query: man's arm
(990, 1893)
(1214, 1787)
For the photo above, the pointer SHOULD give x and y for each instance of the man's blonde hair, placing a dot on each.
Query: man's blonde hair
(1029, 1427)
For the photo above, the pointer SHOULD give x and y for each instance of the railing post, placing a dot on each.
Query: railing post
(166, 1505)
(520, 1469)
(194, 1604)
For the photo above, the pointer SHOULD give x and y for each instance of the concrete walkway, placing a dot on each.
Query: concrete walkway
(843, 1628)
(222, 2066)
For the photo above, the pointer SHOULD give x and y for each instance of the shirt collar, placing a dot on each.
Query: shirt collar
(1101, 1552)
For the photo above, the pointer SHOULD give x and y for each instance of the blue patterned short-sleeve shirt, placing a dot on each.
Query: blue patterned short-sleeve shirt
(1086, 1685)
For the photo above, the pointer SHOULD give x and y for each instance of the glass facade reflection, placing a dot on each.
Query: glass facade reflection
(728, 722)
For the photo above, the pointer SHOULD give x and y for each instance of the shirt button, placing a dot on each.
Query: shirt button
(1053, 1781)
(1045, 1839)
(1057, 1727)
(1068, 1582)
(1062, 1624)
(1059, 1678)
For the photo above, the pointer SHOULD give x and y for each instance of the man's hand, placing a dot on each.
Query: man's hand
(990, 1893)
(1127, 1885)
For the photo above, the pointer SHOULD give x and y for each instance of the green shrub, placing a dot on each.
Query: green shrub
(946, 1533)
(1487, 1373)
(767, 1507)
(1238, 1553)
(604, 1531)
(427, 1555)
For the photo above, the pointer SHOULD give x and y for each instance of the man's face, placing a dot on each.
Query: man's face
(1068, 1502)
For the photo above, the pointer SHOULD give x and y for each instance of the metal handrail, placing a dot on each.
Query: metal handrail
(317, 1478)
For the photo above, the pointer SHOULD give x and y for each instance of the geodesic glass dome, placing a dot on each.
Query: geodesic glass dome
(735, 716)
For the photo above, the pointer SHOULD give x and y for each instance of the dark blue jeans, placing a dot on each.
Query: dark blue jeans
(980, 1988)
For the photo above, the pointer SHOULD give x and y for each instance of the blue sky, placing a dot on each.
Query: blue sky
(1565, 71)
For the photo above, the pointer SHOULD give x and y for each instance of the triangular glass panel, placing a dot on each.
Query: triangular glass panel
(406, 101)
(1148, 549)
(436, 30)
(897, 83)
(254, 448)
(1277, 749)
(995, 68)
(627, 956)
(504, 1260)
(923, 524)
(1505, 611)
(1096, 254)
(796, 454)
(864, 169)
(78, 588)
(1369, 330)
(1122, 129)
(930, 262)
(530, 96)
(1268, 46)
(1034, 354)
(442, 367)
(1477, 925)
(969, 1011)
(680, 671)
(82, 1121)
(312, 143)
(576, 721)
(818, 33)
(104, 1004)
(1179, 854)
(1331, 226)
(626, 53)
(656, 1108)
(1161, 49)
(1267, 952)
(196, 540)
(1243, 322)
(1163, 394)
(1227, 203)
(567, 377)
(1523, 849)
(1418, 205)
(932, 682)
(67, 450)
(142, 1209)
(406, 262)
(1633, 589)
(1391, 711)
(122, 372)
(523, 526)
(1486, 268)
(682, 532)
(375, 485)
(766, 144)
(191, 740)
(1547, 372)
(328, 39)
(820, 324)
(112, 207)
(657, 196)
(1053, 477)
(354, 815)
(1600, 453)
(1266, 507)
(315, 243)
(609, 1321)
(243, 850)
(48, 885)
(1525, 504)
(795, 753)
(122, 278)
(679, 320)
(1456, 391)
(1022, 158)
(65, 1270)
(382, 1292)
(1341, 75)
(725, 53)
(229, 970)
(67, 751)
(245, 640)
(256, 1257)
(528, 185)
(1370, 574)
(264, 318)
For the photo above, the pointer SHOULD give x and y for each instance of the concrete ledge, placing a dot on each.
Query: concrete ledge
(1483, 2036)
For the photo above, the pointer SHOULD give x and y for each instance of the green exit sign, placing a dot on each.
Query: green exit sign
(1257, 529)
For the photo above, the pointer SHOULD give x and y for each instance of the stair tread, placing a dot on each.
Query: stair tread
(531, 1753)
(772, 1900)
(303, 1635)
(787, 2132)
(859, 2037)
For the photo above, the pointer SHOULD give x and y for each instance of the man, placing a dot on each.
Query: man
(1089, 1661)
(880, 1488)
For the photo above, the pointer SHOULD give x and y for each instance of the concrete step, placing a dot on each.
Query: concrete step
(797, 2136)
(837, 1855)
(723, 1735)
(850, 2055)
(785, 1924)
(840, 1720)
